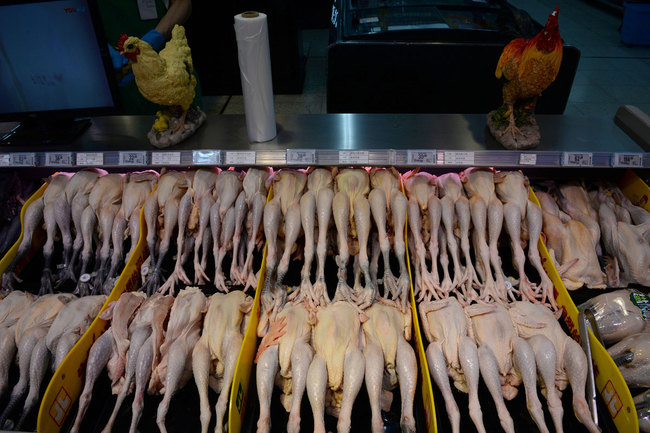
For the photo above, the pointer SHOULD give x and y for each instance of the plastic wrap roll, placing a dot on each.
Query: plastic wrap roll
(255, 68)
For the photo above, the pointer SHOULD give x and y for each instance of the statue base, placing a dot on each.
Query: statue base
(527, 138)
(169, 137)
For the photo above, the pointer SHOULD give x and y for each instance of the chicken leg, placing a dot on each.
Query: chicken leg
(341, 210)
(307, 214)
(377, 200)
(292, 226)
(50, 217)
(227, 232)
(207, 202)
(399, 206)
(324, 211)
(256, 212)
(513, 225)
(169, 223)
(241, 210)
(142, 375)
(88, 223)
(366, 296)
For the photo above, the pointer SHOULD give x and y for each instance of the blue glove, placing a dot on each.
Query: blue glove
(118, 60)
(154, 38)
(120, 63)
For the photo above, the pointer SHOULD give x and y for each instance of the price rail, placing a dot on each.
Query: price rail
(326, 157)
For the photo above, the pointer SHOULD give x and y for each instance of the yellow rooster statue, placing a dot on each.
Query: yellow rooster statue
(166, 78)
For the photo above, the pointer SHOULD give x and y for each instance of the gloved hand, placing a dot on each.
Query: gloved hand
(121, 64)
(154, 38)
(118, 60)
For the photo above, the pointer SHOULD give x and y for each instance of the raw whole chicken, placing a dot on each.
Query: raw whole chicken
(632, 356)
(202, 200)
(619, 314)
(183, 332)
(389, 359)
(110, 349)
(452, 352)
(283, 357)
(12, 307)
(215, 354)
(33, 355)
(560, 359)
(337, 369)
(505, 359)
(70, 324)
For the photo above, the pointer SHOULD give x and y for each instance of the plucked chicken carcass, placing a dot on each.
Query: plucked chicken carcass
(215, 354)
(109, 350)
(451, 352)
(486, 208)
(288, 187)
(351, 210)
(12, 307)
(524, 223)
(146, 334)
(316, 213)
(33, 355)
(632, 356)
(337, 369)
(202, 200)
(70, 324)
(388, 203)
(572, 246)
(389, 360)
(424, 213)
(283, 357)
(559, 359)
(161, 209)
(163, 78)
(505, 359)
(618, 314)
(183, 332)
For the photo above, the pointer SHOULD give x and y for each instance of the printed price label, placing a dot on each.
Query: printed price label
(578, 159)
(90, 158)
(138, 157)
(5, 160)
(58, 159)
(301, 156)
(240, 158)
(165, 158)
(527, 159)
(421, 157)
(459, 158)
(628, 160)
(206, 157)
(23, 159)
(353, 157)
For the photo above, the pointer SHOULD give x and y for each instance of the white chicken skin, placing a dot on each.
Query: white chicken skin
(12, 308)
(214, 356)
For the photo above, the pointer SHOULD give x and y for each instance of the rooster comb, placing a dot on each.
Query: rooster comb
(120, 42)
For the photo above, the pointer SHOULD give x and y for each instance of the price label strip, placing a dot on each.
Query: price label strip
(23, 159)
(138, 157)
(206, 157)
(58, 159)
(633, 160)
(578, 159)
(459, 158)
(353, 157)
(165, 158)
(421, 157)
(301, 156)
(527, 159)
(246, 157)
(5, 160)
(90, 158)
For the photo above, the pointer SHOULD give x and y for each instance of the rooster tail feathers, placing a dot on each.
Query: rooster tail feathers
(511, 52)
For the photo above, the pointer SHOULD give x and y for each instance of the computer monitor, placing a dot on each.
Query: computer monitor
(54, 68)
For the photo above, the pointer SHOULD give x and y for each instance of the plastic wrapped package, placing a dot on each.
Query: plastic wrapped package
(642, 404)
(632, 356)
(619, 314)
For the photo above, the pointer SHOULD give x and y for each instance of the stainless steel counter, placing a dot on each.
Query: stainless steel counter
(386, 137)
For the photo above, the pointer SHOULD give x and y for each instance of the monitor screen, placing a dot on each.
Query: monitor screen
(50, 59)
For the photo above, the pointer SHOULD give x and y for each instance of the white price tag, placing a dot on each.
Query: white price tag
(628, 160)
(578, 159)
(527, 159)
(165, 158)
(301, 156)
(353, 157)
(5, 160)
(57, 159)
(421, 157)
(136, 157)
(23, 159)
(206, 157)
(459, 158)
(246, 157)
(392, 157)
(90, 158)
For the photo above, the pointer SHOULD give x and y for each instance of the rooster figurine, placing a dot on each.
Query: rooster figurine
(166, 78)
(530, 66)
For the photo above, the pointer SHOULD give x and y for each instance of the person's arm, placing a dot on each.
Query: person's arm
(179, 11)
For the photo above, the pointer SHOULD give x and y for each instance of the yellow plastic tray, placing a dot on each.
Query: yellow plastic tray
(240, 384)
(635, 189)
(68, 380)
(36, 240)
(609, 382)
